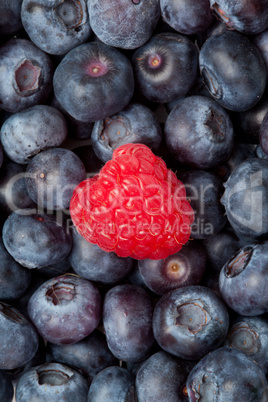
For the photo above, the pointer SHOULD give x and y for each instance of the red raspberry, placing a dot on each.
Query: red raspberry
(134, 207)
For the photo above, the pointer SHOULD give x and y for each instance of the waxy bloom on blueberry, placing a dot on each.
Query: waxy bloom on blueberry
(134, 207)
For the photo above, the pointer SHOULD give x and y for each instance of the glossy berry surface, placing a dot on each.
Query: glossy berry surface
(135, 206)
(65, 309)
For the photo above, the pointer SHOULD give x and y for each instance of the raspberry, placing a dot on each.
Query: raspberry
(134, 207)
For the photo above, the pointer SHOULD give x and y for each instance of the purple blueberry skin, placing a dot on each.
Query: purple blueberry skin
(35, 240)
(10, 17)
(246, 199)
(90, 355)
(51, 177)
(199, 133)
(123, 24)
(6, 388)
(249, 17)
(162, 378)
(52, 382)
(26, 133)
(233, 51)
(243, 280)
(127, 320)
(113, 384)
(65, 309)
(260, 40)
(20, 58)
(93, 81)
(228, 375)
(19, 338)
(250, 336)
(190, 322)
(188, 17)
(56, 26)
(165, 68)
(91, 262)
(134, 124)
(184, 268)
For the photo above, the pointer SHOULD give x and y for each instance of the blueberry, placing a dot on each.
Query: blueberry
(243, 280)
(162, 378)
(260, 40)
(250, 17)
(51, 177)
(246, 198)
(100, 82)
(224, 59)
(263, 133)
(65, 309)
(228, 375)
(126, 25)
(127, 320)
(51, 382)
(250, 336)
(10, 17)
(204, 190)
(165, 68)
(188, 17)
(6, 388)
(199, 133)
(19, 339)
(90, 355)
(180, 269)
(91, 262)
(26, 75)
(113, 384)
(189, 322)
(26, 133)
(260, 153)
(56, 26)
(35, 240)
(136, 124)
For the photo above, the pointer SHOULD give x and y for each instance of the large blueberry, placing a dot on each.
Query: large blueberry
(93, 81)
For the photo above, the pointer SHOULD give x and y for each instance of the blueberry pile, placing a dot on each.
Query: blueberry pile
(188, 80)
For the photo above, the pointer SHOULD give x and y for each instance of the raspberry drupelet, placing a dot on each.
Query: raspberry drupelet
(135, 206)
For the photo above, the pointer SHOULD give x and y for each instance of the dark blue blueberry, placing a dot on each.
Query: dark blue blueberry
(10, 17)
(162, 378)
(19, 339)
(51, 177)
(250, 17)
(165, 68)
(35, 240)
(136, 124)
(14, 279)
(250, 336)
(113, 384)
(247, 124)
(260, 153)
(1, 155)
(244, 279)
(220, 248)
(56, 26)
(204, 190)
(92, 263)
(188, 17)
(6, 388)
(127, 320)
(199, 133)
(263, 133)
(99, 81)
(89, 159)
(246, 198)
(13, 192)
(26, 75)
(180, 269)
(91, 355)
(224, 59)
(123, 24)
(52, 382)
(189, 322)
(25, 134)
(227, 375)
(216, 27)
(65, 309)
(260, 40)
